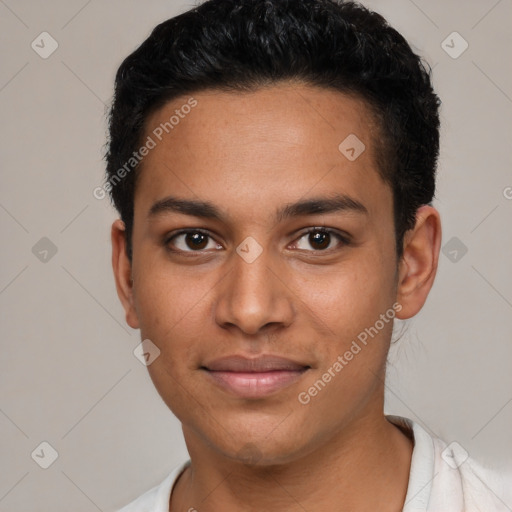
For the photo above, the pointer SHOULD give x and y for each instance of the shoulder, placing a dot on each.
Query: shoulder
(157, 498)
(479, 487)
(444, 478)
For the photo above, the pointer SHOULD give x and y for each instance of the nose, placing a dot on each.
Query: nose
(254, 296)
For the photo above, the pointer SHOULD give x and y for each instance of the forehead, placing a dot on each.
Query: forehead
(275, 144)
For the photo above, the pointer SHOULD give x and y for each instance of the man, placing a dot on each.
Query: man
(273, 163)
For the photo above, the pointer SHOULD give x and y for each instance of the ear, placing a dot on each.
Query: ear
(123, 272)
(418, 265)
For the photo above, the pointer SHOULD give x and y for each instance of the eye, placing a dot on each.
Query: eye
(195, 240)
(192, 240)
(320, 239)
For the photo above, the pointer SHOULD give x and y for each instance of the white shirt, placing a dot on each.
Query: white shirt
(442, 479)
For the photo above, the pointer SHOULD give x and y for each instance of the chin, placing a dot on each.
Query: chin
(262, 452)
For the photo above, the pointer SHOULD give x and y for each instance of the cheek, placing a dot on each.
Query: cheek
(349, 299)
(166, 298)
(176, 388)
(171, 311)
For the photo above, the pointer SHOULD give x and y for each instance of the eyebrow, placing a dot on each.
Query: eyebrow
(207, 210)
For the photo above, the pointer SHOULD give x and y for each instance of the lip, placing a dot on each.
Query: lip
(254, 377)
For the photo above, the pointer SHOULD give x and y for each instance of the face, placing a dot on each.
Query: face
(264, 268)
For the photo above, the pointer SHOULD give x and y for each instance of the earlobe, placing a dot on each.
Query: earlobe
(122, 268)
(418, 265)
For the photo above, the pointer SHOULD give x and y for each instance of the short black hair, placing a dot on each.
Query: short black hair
(243, 45)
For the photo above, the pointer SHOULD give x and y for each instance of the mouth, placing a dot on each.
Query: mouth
(254, 378)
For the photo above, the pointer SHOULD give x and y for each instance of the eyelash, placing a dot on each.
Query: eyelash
(344, 239)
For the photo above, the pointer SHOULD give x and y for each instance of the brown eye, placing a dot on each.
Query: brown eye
(191, 241)
(320, 239)
(196, 240)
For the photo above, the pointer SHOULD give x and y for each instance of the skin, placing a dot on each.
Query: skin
(250, 154)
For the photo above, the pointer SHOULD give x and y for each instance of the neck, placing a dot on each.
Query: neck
(363, 467)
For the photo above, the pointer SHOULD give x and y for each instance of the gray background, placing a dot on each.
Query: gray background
(68, 374)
